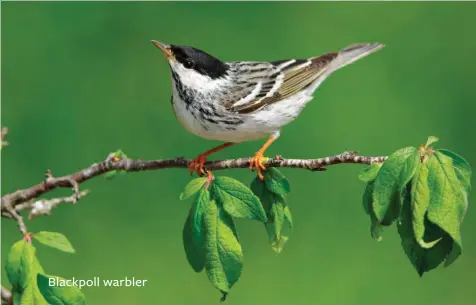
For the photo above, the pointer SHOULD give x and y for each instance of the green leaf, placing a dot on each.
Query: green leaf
(420, 200)
(276, 182)
(369, 173)
(31, 296)
(431, 140)
(448, 201)
(16, 297)
(237, 199)
(195, 255)
(201, 204)
(422, 259)
(37, 296)
(57, 294)
(279, 223)
(54, 240)
(367, 199)
(27, 297)
(193, 236)
(394, 174)
(462, 168)
(287, 217)
(276, 217)
(22, 267)
(463, 172)
(192, 187)
(376, 229)
(19, 264)
(278, 244)
(278, 226)
(223, 253)
(112, 174)
(258, 187)
(120, 154)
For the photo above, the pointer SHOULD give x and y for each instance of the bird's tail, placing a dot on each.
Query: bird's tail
(352, 53)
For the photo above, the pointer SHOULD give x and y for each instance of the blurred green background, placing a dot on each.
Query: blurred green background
(80, 80)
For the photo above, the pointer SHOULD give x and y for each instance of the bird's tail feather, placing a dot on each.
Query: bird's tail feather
(352, 53)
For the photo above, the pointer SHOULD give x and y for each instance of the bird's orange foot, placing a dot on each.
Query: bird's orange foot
(258, 162)
(196, 165)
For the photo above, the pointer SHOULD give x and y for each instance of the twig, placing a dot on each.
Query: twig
(44, 206)
(6, 296)
(11, 201)
(3, 134)
(11, 211)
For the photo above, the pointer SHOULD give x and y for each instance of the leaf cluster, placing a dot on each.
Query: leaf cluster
(210, 238)
(426, 192)
(30, 284)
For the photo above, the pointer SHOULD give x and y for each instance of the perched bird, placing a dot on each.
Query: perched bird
(245, 100)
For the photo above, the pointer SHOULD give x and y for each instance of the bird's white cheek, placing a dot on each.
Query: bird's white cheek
(192, 79)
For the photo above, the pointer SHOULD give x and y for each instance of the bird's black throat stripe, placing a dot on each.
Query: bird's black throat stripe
(201, 109)
(181, 90)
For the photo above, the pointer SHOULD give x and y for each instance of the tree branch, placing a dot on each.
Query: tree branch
(14, 202)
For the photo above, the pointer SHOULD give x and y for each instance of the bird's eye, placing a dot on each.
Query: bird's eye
(189, 64)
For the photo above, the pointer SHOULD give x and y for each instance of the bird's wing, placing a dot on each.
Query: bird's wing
(275, 82)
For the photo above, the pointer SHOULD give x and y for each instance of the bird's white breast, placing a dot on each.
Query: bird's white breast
(185, 116)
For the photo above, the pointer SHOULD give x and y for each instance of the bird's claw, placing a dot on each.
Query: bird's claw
(258, 162)
(196, 165)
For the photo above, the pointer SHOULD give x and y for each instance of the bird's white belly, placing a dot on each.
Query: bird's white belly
(213, 131)
(256, 125)
(277, 115)
(186, 119)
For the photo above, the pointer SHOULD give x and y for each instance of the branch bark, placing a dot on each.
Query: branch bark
(14, 202)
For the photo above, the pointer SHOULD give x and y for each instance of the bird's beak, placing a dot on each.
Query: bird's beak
(165, 48)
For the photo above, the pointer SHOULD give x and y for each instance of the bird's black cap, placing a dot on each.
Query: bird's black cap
(193, 58)
(200, 61)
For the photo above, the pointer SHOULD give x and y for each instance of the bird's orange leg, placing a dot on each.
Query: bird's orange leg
(257, 160)
(196, 165)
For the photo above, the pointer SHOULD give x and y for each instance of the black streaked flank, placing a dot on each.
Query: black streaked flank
(213, 109)
(231, 121)
(209, 119)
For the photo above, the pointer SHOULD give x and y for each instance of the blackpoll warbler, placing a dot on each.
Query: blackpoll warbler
(244, 100)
